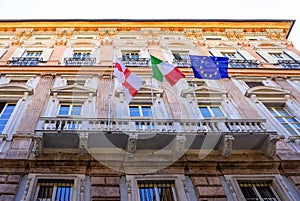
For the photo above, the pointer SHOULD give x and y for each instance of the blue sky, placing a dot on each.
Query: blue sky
(155, 9)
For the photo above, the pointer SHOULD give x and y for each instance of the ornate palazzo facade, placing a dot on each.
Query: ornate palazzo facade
(68, 134)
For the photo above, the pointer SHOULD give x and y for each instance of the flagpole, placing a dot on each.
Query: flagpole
(152, 97)
(195, 98)
(109, 98)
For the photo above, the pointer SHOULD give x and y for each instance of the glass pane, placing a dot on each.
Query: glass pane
(64, 110)
(249, 193)
(291, 119)
(5, 115)
(134, 111)
(289, 128)
(217, 112)
(205, 112)
(147, 194)
(76, 110)
(282, 112)
(266, 193)
(146, 111)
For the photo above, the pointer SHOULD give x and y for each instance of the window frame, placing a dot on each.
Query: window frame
(290, 124)
(1, 113)
(276, 182)
(178, 180)
(70, 109)
(140, 108)
(78, 184)
(212, 114)
(54, 189)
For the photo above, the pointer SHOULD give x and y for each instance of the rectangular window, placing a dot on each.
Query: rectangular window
(81, 54)
(211, 111)
(50, 190)
(254, 84)
(158, 188)
(286, 119)
(29, 58)
(70, 109)
(6, 111)
(140, 111)
(157, 191)
(258, 191)
(130, 55)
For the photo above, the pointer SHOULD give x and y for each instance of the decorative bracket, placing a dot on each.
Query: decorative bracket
(226, 146)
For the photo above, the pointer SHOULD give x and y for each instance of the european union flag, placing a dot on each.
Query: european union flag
(209, 67)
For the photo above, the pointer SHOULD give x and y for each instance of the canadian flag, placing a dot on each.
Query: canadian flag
(130, 81)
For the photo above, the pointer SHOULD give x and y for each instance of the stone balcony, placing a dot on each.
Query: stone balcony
(76, 135)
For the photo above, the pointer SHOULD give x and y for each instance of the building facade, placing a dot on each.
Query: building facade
(68, 134)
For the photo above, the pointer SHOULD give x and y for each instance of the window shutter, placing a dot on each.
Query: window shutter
(46, 54)
(68, 53)
(267, 56)
(292, 54)
(96, 54)
(2, 51)
(17, 53)
(168, 56)
(216, 53)
(117, 54)
(144, 53)
(246, 55)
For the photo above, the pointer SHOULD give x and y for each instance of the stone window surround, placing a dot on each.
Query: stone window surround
(32, 180)
(276, 180)
(182, 193)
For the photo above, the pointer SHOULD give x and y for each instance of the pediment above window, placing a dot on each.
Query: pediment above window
(73, 92)
(268, 94)
(144, 94)
(204, 94)
(14, 91)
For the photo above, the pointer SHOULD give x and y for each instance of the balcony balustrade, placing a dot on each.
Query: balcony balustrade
(132, 134)
(235, 63)
(26, 61)
(79, 61)
(136, 62)
(182, 63)
(149, 125)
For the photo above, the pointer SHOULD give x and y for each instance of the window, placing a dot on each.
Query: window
(69, 109)
(28, 58)
(6, 111)
(256, 191)
(254, 84)
(286, 119)
(157, 190)
(50, 190)
(140, 111)
(80, 57)
(258, 187)
(130, 55)
(81, 54)
(181, 58)
(211, 111)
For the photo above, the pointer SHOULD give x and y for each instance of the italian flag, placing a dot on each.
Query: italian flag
(165, 71)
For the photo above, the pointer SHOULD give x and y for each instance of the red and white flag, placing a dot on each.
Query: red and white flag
(130, 81)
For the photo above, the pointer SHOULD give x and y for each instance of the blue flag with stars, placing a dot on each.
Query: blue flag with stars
(209, 67)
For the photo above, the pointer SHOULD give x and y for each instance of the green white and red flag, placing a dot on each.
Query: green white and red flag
(164, 71)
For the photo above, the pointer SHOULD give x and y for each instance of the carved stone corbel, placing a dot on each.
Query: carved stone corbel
(83, 137)
(270, 145)
(38, 145)
(179, 145)
(132, 143)
(226, 146)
